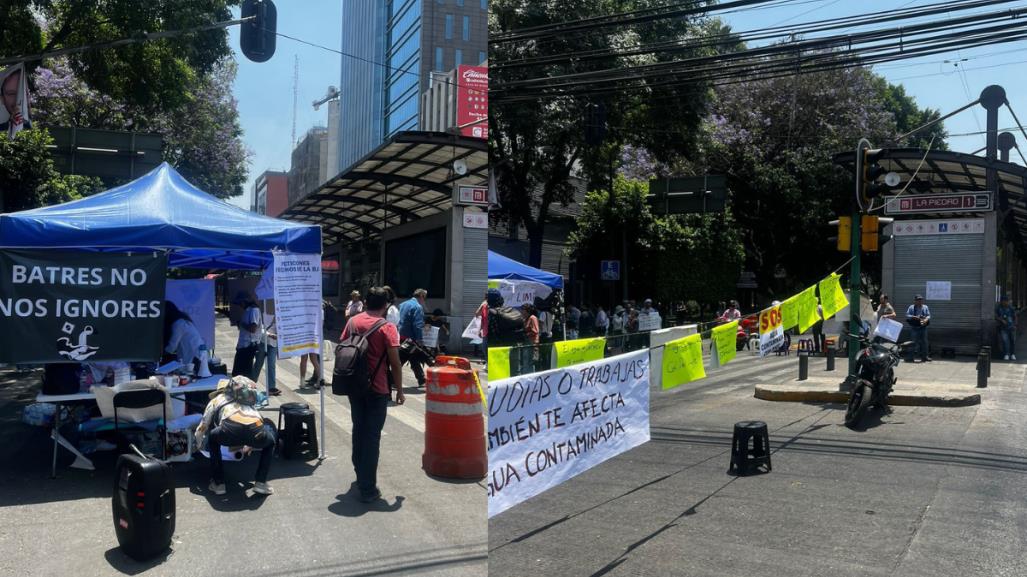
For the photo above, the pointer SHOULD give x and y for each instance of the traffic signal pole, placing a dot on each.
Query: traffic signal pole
(855, 322)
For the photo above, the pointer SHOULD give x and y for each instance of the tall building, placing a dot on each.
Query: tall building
(394, 46)
(309, 169)
(271, 193)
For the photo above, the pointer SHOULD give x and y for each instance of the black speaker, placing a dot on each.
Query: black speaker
(144, 506)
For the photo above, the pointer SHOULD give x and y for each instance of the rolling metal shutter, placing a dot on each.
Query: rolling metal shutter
(957, 259)
(476, 272)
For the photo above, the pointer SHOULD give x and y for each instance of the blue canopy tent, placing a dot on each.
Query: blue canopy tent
(503, 268)
(162, 211)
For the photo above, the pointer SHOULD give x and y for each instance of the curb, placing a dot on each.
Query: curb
(789, 395)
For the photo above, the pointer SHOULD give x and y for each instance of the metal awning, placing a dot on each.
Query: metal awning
(946, 171)
(408, 177)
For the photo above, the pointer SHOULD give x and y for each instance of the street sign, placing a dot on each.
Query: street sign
(688, 194)
(610, 270)
(963, 202)
(476, 219)
(938, 226)
(473, 195)
(472, 101)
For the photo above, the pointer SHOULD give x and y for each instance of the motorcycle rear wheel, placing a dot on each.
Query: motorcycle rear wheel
(859, 402)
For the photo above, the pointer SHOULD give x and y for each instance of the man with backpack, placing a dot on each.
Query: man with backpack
(368, 352)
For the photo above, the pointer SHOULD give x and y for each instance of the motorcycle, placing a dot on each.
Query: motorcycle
(874, 378)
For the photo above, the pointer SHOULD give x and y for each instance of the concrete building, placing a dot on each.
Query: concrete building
(414, 37)
(309, 167)
(271, 193)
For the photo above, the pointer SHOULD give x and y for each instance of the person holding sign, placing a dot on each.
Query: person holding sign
(885, 310)
(918, 315)
(438, 320)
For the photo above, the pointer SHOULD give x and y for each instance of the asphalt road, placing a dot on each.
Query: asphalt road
(312, 527)
(921, 492)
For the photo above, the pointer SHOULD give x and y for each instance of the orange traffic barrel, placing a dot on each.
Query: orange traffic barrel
(454, 432)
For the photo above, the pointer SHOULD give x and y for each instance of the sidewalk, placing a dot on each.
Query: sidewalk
(941, 383)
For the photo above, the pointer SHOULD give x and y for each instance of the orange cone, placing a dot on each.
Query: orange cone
(454, 432)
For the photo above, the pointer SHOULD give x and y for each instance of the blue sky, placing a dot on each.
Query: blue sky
(264, 90)
(944, 82)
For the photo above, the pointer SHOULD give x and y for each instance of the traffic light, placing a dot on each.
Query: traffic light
(872, 170)
(844, 238)
(257, 36)
(868, 233)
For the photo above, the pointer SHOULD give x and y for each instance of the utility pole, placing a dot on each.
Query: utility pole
(295, 95)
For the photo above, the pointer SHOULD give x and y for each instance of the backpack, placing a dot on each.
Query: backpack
(506, 326)
(351, 376)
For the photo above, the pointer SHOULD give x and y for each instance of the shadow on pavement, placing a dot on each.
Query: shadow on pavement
(348, 504)
(129, 566)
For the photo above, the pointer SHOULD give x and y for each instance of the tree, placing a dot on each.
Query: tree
(28, 178)
(671, 258)
(774, 139)
(536, 145)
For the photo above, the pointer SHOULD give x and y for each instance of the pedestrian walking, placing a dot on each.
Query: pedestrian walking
(438, 320)
(918, 315)
(602, 322)
(411, 326)
(367, 411)
(1006, 316)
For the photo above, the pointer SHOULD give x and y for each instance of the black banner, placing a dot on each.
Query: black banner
(81, 306)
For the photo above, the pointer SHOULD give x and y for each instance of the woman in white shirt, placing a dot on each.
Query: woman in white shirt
(392, 314)
(181, 337)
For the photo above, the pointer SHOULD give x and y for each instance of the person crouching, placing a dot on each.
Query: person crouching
(232, 420)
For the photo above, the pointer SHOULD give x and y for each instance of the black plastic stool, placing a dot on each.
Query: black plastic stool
(300, 434)
(286, 407)
(747, 459)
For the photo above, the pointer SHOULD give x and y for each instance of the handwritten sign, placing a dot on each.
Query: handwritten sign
(547, 427)
(772, 334)
(790, 312)
(430, 336)
(807, 309)
(579, 351)
(832, 297)
(650, 322)
(725, 337)
(499, 363)
(682, 361)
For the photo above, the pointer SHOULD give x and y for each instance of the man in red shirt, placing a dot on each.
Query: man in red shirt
(368, 411)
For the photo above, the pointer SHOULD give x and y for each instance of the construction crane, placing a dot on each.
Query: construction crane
(332, 94)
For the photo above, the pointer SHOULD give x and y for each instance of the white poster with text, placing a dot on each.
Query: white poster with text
(545, 428)
(297, 287)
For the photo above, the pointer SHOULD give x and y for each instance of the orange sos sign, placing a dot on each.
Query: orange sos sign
(771, 320)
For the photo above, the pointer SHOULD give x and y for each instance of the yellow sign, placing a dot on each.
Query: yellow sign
(499, 363)
(832, 298)
(807, 308)
(790, 312)
(682, 361)
(493, 284)
(725, 337)
(579, 351)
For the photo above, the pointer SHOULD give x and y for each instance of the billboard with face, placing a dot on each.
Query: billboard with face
(14, 95)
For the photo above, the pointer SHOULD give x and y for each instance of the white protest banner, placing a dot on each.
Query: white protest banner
(473, 331)
(650, 321)
(888, 329)
(195, 297)
(545, 428)
(298, 303)
(772, 334)
(519, 292)
(430, 336)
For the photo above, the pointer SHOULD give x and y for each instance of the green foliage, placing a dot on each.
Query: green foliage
(672, 258)
(28, 178)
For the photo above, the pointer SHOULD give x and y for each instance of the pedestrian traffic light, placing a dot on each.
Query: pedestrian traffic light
(844, 238)
(257, 36)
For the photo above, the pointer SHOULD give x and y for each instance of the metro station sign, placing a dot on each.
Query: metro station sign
(921, 203)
